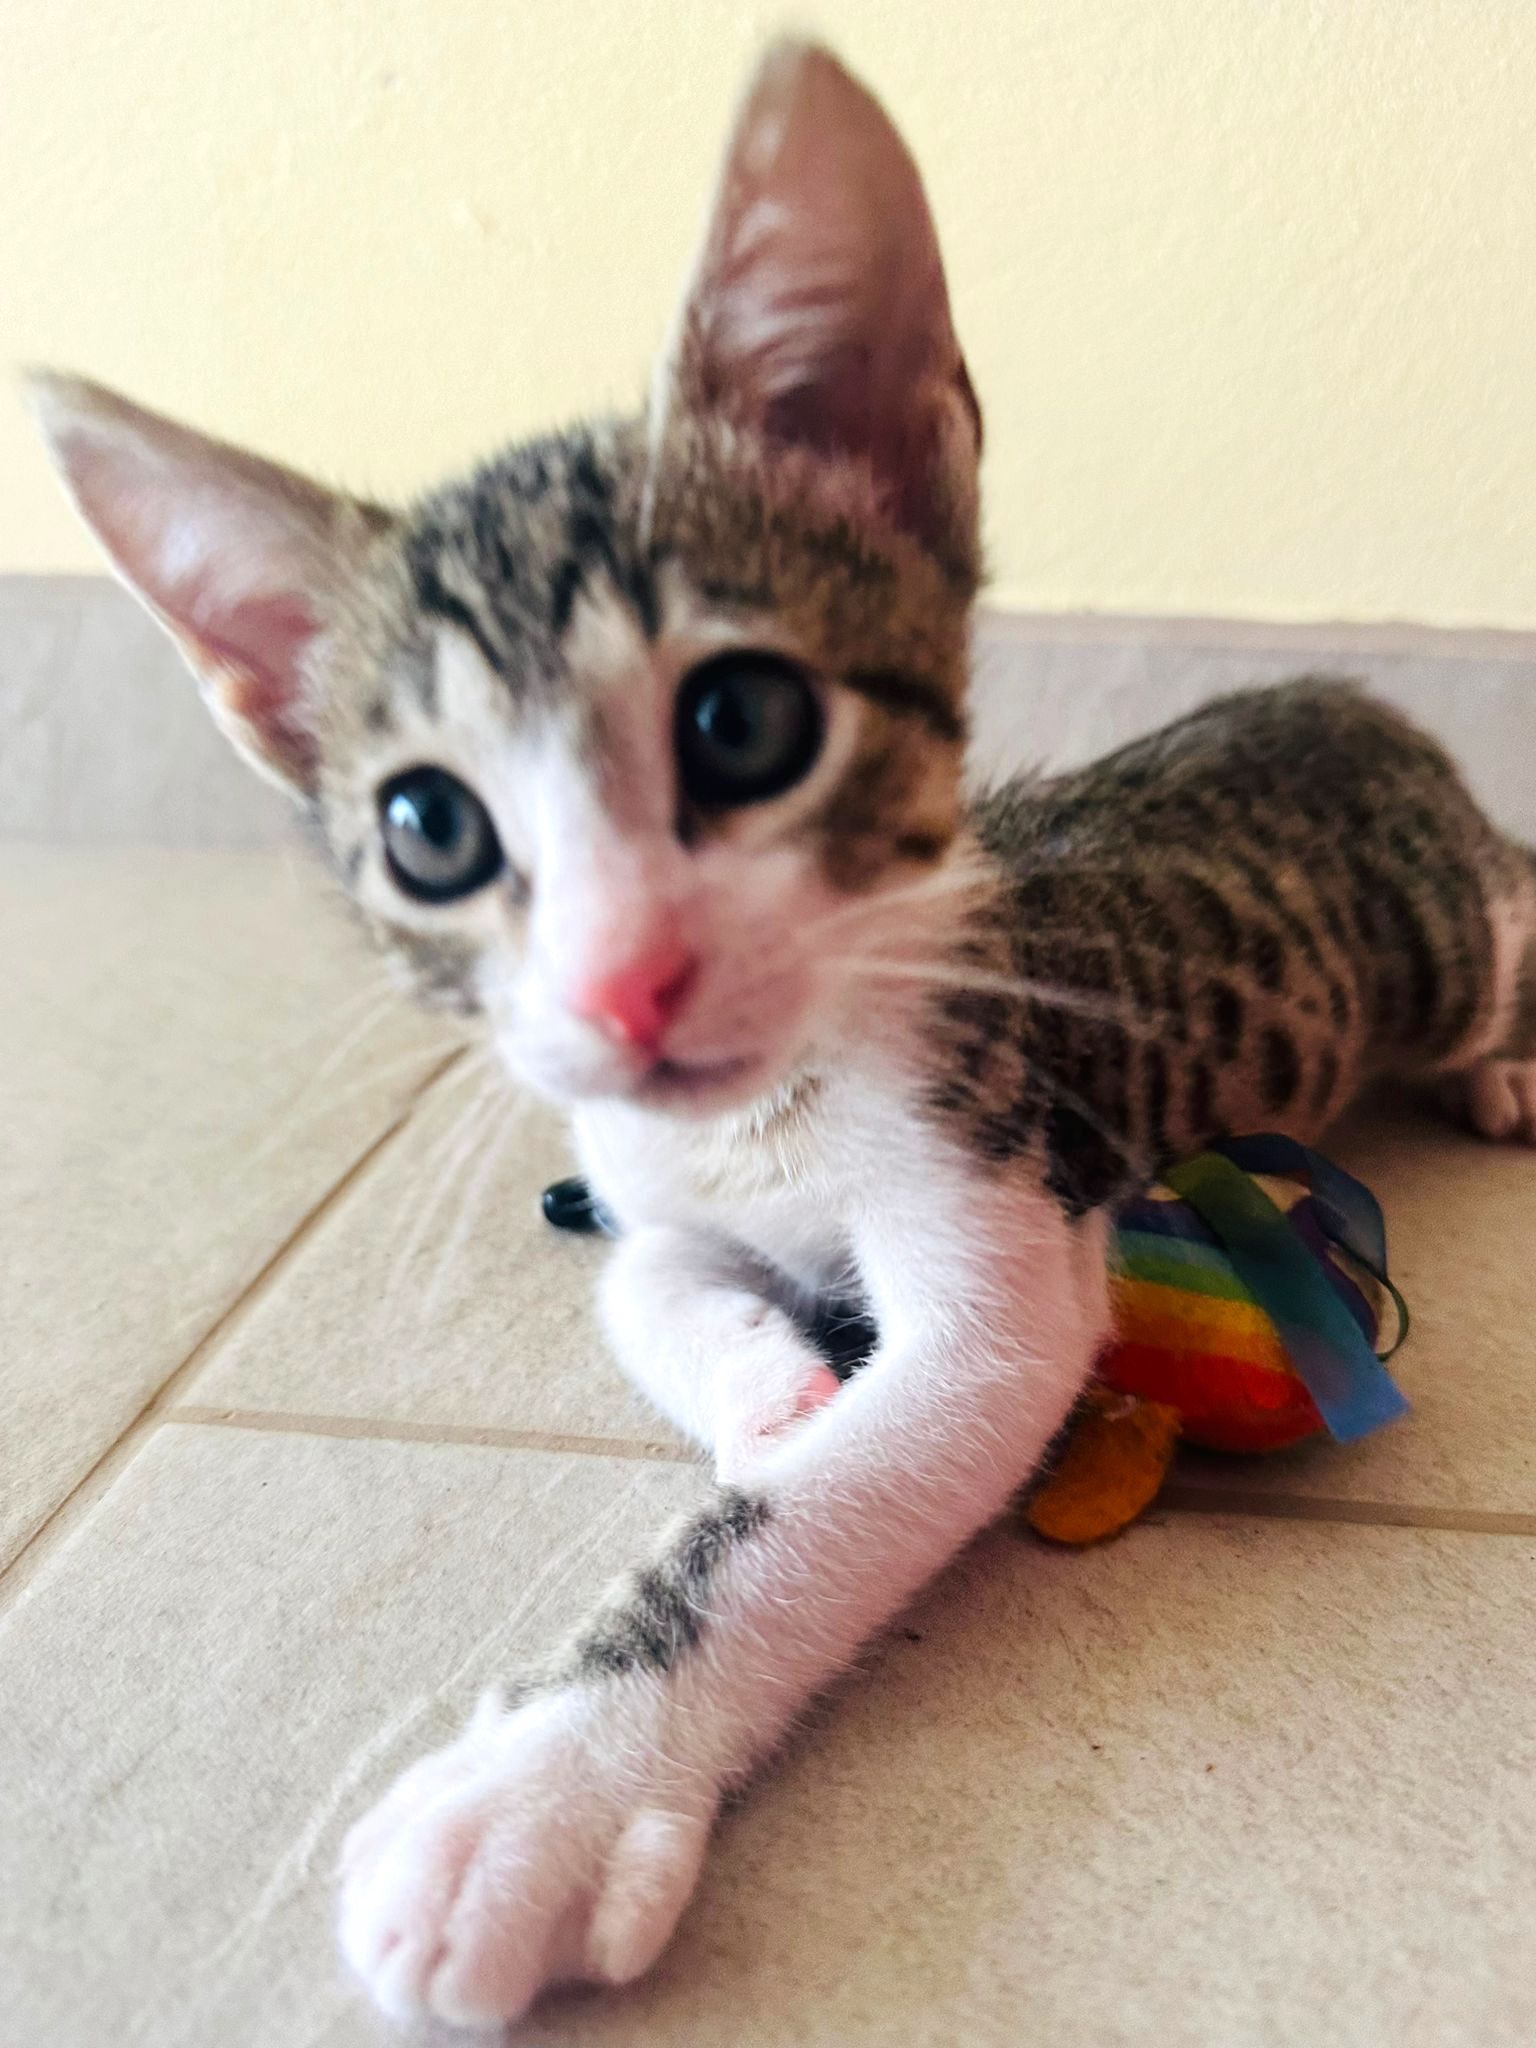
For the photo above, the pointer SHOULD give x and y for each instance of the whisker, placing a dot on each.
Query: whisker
(448, 1198)
(375, 988)
(474, 1188)
(958, 878)
(421, 1062)
(353, 1038)
(472, 1068)
(1049, 994)
(242, 1183)
(1133, 1155)
(479, 1067)
(465, 1131)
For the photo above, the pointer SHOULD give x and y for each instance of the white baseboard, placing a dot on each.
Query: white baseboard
(102, 739)
(1057, 691)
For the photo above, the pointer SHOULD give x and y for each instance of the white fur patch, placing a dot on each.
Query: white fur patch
(1501, 1100)
(564, 1839)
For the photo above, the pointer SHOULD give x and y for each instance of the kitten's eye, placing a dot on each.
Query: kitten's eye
(438, 836)
(748, 726)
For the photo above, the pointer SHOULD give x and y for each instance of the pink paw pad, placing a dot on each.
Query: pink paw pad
(818, 1389)
(813, 1392)
(758, 1432)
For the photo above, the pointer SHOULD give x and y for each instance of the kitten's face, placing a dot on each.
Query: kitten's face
(644, 798)
(634, 741)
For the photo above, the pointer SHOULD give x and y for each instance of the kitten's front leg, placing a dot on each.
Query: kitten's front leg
(691, 1323)
(562, 1840)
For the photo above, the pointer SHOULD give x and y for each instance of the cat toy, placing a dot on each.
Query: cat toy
(1253, 1309)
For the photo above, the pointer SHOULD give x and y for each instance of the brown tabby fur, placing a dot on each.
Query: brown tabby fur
(1228, 926)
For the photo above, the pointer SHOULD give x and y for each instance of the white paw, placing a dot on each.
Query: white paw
(550, 1845)
(1501, 1100)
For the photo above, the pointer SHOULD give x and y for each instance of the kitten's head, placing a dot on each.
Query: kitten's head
(629, 740)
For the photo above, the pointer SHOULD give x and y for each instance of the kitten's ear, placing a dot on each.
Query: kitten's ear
(817, 313)
(235, 556)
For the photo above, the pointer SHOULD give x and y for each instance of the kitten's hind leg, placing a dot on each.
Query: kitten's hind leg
(1499, 1100)
(1496, 1089)
(696, 1334)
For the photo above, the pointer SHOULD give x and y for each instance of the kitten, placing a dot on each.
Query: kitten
(643, 745)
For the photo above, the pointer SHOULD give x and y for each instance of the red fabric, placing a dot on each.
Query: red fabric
(1224, 1404)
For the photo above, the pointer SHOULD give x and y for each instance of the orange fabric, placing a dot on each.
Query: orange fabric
(1107, 1472)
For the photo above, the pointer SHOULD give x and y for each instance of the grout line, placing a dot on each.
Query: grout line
(94, 1482)
(1380, 1514)
(367, 1429)
(1177, 1499)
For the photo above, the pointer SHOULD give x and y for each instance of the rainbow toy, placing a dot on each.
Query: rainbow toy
(1252, 1309)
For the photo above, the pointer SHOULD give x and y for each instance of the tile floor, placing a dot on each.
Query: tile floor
(307, 1433)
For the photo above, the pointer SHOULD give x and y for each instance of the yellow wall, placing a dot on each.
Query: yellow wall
(1248, 286)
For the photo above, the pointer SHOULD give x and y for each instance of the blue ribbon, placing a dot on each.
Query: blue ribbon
(1354, 1392)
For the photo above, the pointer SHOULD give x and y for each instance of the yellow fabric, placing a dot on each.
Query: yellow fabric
(1175, 1319)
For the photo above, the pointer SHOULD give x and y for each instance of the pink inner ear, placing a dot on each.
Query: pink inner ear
(258, 643)
(832, 412)
(841, 414)
(819, 313)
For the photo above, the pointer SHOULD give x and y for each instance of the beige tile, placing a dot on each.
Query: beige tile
(483, 1318)
(1461, 1229)
(167, 1122)
(488, 1322)
(243, 1641)
(1221, 1785)
(436, 1293)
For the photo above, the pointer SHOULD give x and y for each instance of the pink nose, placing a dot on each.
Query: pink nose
(634, 1004)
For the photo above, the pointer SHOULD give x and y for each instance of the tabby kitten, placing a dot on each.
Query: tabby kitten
(643, 745)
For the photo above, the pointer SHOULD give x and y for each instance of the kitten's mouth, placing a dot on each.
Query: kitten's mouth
(678, 1084)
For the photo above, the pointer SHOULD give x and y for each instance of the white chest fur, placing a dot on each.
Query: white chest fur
(783, 1181)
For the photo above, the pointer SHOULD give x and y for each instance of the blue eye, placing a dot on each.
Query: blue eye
(749, 726)
(438, 837)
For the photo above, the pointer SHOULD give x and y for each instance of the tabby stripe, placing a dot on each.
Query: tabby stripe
(1202, 1101)
(1213, 911)
(1279, 1068)
(1227, 1014)
(1522, 1035)
(1326, 1081)
(1268, 892)
(663, 1609)
(908, 696)
(921, 845)
(1418, 949)
(1268, 957)
(438, 601)
(1155, 1080)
